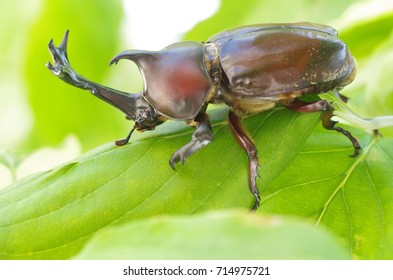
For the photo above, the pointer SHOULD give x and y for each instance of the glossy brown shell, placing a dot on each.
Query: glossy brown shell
(269, 61)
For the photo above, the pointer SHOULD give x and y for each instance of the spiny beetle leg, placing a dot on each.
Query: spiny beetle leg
(327, 113)
(240, 134)
(201, 137)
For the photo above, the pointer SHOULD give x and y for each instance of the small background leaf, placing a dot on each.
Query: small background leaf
(217, 235)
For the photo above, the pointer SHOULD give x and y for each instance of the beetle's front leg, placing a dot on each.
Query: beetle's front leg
(327, 113)
(248, 146)
(201, 137)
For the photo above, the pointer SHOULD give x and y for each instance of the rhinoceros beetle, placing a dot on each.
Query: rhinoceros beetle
(251, 69)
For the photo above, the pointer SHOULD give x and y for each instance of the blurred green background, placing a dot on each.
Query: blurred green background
(38, 110)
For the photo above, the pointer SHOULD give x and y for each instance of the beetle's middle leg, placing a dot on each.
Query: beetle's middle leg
(327, 113)
(248, 146)
(201, 137)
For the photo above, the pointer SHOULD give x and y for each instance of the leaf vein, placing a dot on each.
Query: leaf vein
(345, 179)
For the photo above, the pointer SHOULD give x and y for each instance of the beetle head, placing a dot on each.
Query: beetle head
(144, 115)
(176, 82)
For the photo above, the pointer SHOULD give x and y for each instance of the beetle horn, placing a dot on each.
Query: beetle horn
(64, 43)
(62, 69)
(133, 55)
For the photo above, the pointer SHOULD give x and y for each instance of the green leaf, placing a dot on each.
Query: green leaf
(53, 214)
(117, 184)
(351, 196)
(216, 235)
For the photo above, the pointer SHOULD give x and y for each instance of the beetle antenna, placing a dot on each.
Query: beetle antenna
(124, 141)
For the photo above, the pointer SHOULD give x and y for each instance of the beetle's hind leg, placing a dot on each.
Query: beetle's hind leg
(248, 146)
(327, 113)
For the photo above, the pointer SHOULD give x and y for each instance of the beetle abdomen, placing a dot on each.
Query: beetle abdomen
(273, 61)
